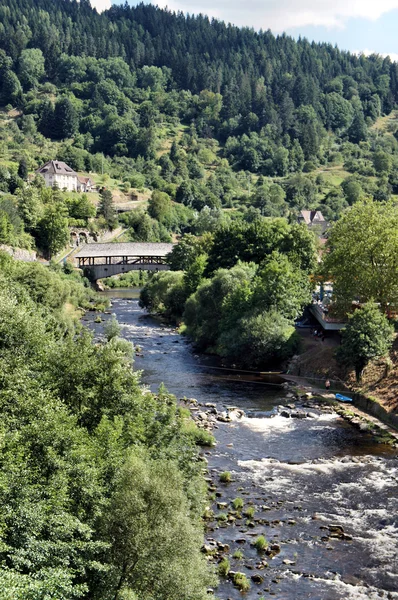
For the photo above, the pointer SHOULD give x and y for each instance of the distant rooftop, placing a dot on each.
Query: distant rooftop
(311, 216)
(56, 167)
(127, 249)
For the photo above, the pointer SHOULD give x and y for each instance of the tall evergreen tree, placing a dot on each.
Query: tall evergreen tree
(106, 207)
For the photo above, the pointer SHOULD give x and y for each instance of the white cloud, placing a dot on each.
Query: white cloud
(281, 15)
(367, 52)
(101, 5)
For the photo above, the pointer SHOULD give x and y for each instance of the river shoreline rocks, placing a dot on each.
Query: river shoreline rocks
(250, 521)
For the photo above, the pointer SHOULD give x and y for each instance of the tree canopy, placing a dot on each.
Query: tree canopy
(362, 254)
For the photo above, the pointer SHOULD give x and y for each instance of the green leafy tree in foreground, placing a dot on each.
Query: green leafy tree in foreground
(53, 230)
(363, 254)
(154, 539)
(368, 335)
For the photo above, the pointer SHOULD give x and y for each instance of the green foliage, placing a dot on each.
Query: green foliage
(368, 335)
(112, 328)
(31, 67)
(164, 293)
(362, 258)
(142, 228)
(85, 454)
(238, 555)
(225, 477)
(127, 280)
(155, 541)
(53, 232)
(260, 543)
(224, 567)
(250, 512)
(282, 287)
(188, 249)
(222, 517)
(106, 208)
(261, 339)
(80, 207)
(241, 582)
(201, 437)
(255, 241)
(238, 503)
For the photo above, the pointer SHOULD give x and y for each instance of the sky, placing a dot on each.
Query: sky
(357, 25)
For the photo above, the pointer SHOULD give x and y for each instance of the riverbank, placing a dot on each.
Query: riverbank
(376, 394)
(296, 475)
(378, 425)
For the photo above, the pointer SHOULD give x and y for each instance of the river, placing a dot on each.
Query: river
(300, 475)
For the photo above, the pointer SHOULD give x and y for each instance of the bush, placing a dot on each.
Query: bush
(249, 512)
(241, 582)
(238, 554)
(201, 437)
(224, 567)
(260, 543)
(260, 339)
(222, 517)
(226, 477)
(112, 328)
(238, 503)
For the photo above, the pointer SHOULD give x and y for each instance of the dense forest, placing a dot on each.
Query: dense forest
(211, 122)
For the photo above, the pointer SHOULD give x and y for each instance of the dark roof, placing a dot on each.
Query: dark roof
(57, 167)
(127, 249)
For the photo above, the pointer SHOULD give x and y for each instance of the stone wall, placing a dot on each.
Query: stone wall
(372, 407)
(19, 253)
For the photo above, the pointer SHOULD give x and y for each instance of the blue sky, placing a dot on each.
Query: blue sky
(356, 25)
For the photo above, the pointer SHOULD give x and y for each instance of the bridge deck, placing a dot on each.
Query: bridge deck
(125, 249)
(125, 253)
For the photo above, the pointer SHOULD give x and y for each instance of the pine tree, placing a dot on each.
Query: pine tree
(23, 169)
(66, 121)
(106, 207)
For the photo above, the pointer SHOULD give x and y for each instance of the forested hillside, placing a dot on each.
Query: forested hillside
(200, 115)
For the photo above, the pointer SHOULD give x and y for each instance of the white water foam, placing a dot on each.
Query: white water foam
(268, 426)
(346, 590)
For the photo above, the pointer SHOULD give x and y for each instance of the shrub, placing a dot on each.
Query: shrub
(112, 328)
(249, 512)
(241, 582)
(201, 437)
(238, 554)
(237, 503)
(226, 477)
(224, 567)
(260, 543)
(222, 517)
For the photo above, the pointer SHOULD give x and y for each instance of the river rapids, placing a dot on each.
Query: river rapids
(302, 476)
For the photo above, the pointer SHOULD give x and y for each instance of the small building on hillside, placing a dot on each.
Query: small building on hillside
(314, 219)
(85, 184)
(58, 173)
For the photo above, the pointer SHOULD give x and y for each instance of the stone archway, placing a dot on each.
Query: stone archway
(74, 239)
(83, 237)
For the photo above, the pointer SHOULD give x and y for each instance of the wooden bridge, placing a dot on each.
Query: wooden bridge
(105, 260)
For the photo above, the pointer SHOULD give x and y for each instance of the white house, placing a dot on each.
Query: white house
(85, 184)
(57, 173)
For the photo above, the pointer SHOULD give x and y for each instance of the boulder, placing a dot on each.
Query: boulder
(223, 417)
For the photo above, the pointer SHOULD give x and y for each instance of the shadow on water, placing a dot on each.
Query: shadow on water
(301, 476)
